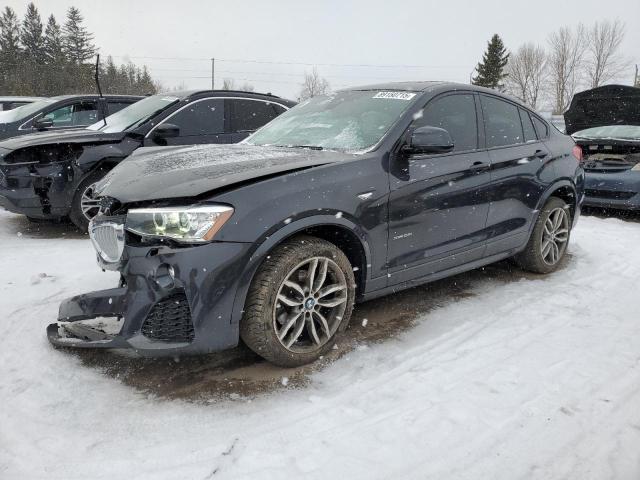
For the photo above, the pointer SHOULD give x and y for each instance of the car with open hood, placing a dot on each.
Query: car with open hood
(605, 123)
(51, 175)
(343, 198)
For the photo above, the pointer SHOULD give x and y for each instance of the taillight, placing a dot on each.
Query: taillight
(577, 152)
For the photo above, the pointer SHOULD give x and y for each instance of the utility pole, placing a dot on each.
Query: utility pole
(213, 71)
(636, 78)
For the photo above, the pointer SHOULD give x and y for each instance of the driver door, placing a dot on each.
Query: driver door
(439, 203)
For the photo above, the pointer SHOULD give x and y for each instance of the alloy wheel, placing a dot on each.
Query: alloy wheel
(89, 205)
(555, 236)
(310, 305)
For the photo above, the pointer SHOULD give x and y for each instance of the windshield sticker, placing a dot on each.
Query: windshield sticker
(395, 95)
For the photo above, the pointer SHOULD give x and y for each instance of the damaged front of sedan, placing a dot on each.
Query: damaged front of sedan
(341, 199)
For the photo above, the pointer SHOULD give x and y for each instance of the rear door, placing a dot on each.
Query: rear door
(439, 203)
(200, 121)
(247, 115)
(516, 156)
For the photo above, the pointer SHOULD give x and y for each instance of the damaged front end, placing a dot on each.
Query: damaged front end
(172, 298)
(33, 181)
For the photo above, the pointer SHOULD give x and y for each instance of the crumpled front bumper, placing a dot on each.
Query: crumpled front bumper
(205, 277)
(613, 190)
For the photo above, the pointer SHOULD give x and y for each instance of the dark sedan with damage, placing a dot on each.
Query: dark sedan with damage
(341, 199)
(605, 122)
(51, 175)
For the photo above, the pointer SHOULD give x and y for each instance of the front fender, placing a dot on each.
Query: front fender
(266, 244)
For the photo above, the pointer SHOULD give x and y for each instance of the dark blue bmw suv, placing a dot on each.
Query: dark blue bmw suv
(341, 199)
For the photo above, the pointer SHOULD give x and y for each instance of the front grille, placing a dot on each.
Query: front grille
(170, 320)
(107, 239)
(608, 194)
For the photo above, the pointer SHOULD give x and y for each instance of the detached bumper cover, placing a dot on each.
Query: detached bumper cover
(161, 314)
(613, 190)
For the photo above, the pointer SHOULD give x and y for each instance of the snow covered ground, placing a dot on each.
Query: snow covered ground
(530, 378)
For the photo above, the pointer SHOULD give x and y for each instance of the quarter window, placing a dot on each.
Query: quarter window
(457, 115)
(541, 128)
(529, 132)
(502, 122)
(250, 115)
(205, 117)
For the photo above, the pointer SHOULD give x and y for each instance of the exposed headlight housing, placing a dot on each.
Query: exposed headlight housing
(193, 224)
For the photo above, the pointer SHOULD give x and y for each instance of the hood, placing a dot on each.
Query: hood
(607, 105)
(174, 172)
(80, 135)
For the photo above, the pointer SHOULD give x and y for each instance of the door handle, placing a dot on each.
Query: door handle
(540, 153)
(479, 166)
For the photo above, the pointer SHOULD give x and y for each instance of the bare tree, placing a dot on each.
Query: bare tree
(526, 73)
(314, 85)
(604, 63)
(228, 84)
(567, 49)
(247, 87)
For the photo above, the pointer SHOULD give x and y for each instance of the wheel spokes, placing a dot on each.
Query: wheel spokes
(296, 333)
(288, 301)
(312, 329)
(323, 323)
(322, 276)
(283, 332)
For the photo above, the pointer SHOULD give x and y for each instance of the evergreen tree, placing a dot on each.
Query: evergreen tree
(77, 41)
(491, 69)
(53, 44)
(31, 34)
(9, 51)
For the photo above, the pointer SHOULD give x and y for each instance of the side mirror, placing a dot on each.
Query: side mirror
(166, 130)
(429, 140)
(43, 123)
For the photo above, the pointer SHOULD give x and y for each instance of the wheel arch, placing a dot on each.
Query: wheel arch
(564, 190)
(343, 233)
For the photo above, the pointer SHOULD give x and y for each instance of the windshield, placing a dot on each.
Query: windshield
(24, 112)
(622, 132)
(135, 114)
(348, 121)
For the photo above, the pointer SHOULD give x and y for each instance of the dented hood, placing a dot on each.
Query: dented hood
(52, 137)
(173, 172)
(602, 106)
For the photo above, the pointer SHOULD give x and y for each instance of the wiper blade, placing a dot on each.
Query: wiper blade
(310, 147)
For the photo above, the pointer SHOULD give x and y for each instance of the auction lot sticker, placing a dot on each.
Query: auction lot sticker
(395, 95)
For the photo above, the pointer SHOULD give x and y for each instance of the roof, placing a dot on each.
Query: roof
(188, 93)
(81, 95)
(19, 98)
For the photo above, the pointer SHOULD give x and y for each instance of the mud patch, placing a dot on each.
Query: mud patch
(240, 374)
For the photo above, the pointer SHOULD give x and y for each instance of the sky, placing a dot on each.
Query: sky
(270, 44)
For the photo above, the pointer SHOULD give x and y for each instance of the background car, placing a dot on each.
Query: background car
(51, 175)
(341, 199)
(60, 113)
(605, 122)
(9, 103)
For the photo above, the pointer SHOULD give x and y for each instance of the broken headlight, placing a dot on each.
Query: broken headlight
(194, 224)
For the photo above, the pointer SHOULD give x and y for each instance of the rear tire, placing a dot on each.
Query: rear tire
(549, 240)
(298, 301)
(82, 208)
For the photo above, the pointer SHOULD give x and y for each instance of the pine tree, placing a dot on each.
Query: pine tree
(77, 41)
(53, 44)
(31, 34)
(9, 51)
(491, 69)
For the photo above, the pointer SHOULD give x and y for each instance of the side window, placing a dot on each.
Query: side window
(204, 117)
(117, 106)
(502, 122)
(74, 115)
(457, 115)
(541, 127)
(250, 115)
(529, 132)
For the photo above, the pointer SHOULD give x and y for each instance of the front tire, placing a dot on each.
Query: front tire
(300, 298)
(548, 243)
(84, 205)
